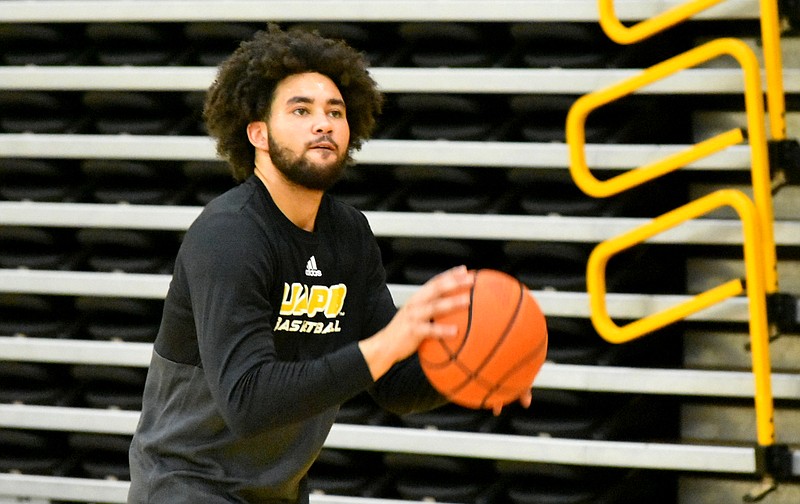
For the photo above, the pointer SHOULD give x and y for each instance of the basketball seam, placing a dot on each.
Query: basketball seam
(474, 374)
(453, 355)
(501, 339)
(520, 363)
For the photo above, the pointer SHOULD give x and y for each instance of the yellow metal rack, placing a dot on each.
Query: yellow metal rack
(756, 215)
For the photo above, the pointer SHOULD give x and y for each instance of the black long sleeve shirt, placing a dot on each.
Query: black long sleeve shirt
(258, 349)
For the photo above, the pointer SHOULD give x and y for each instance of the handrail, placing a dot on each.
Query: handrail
(622, 34)
(756, 136)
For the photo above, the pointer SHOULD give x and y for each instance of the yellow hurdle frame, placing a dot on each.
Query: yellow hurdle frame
(759, 329)
(770, 41)
(622, 34)
(756, 215)
(760, 176)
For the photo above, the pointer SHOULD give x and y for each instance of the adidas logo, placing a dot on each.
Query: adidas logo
(311, 268)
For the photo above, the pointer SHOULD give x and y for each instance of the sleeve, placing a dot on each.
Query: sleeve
(404, 388)
(228, 284)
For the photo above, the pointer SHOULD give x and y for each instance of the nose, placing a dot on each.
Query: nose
(323, 124)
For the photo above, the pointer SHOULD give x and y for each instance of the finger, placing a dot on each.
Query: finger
(497, 409)
(424, 311)
(441, 330)
(447, 282)
(455, 278)
(455, 270)
(526, 398)
(449, 304)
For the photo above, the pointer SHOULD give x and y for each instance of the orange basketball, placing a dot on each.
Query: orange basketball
(500, 347)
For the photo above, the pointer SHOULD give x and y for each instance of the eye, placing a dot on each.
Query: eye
(301, 111)
(337, 114)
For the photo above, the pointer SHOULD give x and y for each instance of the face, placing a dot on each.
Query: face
(308, 134)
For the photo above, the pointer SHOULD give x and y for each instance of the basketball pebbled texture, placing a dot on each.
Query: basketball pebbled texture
(500, 347)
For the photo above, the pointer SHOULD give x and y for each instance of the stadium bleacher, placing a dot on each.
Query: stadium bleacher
(104, 164)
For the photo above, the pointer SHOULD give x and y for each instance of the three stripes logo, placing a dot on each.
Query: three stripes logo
(311, 268)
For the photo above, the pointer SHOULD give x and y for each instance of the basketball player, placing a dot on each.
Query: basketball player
(278, 311)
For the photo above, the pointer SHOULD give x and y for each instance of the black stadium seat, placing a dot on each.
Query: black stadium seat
(449, 189)
(348, 473)
(37, 316)
(119, 318)
(547, 265)
(553, 192)
(207, 179)
(136, 113)
(33, 452)
(42, 44)
(212, 42)
(38, 248)
(138, 44)
(30, 111)
(128, 250)
(449, 44)
(452, 417)
(537, 483)
(135, 182)
(100, 456)
(417, 260)
(114, 387)
(449, 116)
(442, 479)
(561, 45)
(45, 180)
(575, 341)
(35, 383)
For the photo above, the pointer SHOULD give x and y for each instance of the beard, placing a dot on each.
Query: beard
(299, 170)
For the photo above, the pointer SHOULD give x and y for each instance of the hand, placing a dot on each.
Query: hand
(525, 400)
(413, 322)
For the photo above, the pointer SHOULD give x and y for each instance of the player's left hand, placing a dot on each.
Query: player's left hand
(525, 400)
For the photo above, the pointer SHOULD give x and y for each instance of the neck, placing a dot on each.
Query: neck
(299, 204)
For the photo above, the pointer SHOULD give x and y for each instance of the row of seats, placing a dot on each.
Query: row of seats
(572, 341)
(422, 44)
(349, 473)
(531, 118)
(455, 189)
(571, 414)
(554, 413)
(554, 265)
(89, 249)
(80, 385)
(449, 479)
(99, 456)
(84, 318)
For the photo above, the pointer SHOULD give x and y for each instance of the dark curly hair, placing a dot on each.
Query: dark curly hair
(246, 82)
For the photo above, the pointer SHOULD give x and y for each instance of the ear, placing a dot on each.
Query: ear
(258, 134)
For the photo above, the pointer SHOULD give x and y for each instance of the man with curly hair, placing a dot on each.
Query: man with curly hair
(278, 310)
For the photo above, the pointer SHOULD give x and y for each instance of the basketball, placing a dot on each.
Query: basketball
(500, 347)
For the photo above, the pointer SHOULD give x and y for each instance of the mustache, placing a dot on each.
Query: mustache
(321, 139)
